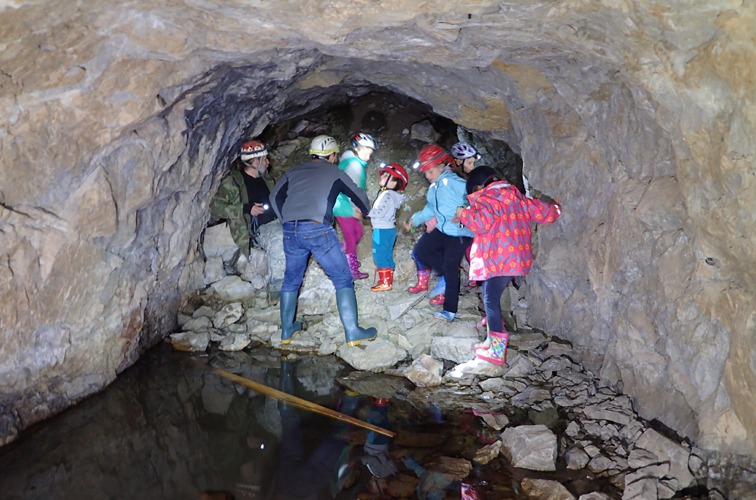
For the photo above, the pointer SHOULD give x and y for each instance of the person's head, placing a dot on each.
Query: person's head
(393, 176)
(324, 147)
(432, 160)
(254, 157)
(465, 155)
(364, 145)
(480, 178)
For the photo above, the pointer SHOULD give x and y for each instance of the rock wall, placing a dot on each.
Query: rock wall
(119, 120)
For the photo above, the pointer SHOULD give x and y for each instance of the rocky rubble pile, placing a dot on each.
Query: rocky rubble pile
(579, 424)
(576, 424)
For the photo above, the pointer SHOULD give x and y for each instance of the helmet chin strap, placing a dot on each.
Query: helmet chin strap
(251, 169)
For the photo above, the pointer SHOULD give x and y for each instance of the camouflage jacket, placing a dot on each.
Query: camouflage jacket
(228, 204)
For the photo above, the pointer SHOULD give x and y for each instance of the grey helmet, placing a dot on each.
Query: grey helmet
(464, 150)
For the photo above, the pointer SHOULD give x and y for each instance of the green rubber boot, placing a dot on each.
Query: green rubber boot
(288, 303)
(347, 304)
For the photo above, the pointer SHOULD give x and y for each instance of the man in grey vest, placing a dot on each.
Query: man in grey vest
(303, 199)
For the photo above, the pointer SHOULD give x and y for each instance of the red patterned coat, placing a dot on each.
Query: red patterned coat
(501, 218)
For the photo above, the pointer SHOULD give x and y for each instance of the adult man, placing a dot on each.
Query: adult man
(303, 199)
(242, 200)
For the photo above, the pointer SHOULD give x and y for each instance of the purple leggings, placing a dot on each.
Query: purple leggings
(351, 228)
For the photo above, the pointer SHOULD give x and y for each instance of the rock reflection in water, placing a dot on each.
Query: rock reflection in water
(167, 429)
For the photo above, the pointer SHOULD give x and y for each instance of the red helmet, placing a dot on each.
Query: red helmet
(432, 155)
(253, 149)
(397, 172)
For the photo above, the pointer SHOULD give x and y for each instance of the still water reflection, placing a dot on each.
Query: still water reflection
(169, 429)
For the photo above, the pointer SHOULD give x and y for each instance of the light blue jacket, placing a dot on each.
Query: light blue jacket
(444, 196)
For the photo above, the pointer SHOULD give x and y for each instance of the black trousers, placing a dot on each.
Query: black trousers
(443, 253)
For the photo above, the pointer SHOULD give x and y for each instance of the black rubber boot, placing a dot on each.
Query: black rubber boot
(347, 304)
(288, 303)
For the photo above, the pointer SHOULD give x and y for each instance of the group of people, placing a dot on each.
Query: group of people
(469, 211)
(474, 211)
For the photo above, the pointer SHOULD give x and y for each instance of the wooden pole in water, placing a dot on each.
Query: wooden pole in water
(294, 400)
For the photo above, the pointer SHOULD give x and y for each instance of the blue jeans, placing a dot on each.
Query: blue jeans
(304, 238)
(492, 290)
(383, 248)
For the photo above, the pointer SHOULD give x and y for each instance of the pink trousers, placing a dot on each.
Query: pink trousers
(351, 228)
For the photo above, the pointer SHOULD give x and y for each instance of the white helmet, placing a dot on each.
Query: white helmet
(365, 140)
(324, 145)
(463, 150)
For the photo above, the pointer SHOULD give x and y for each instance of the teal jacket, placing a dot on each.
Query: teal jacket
(356, 170)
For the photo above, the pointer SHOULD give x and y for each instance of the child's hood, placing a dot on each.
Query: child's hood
(492, 190)
(396, 195)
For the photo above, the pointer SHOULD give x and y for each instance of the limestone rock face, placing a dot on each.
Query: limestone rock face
(119, 121)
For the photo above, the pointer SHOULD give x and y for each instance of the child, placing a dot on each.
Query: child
(465, 156)
(349, 221)
(500, 217)
(393, 178)
(443, 248)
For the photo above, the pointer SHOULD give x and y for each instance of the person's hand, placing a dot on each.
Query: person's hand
(430, 224)
(357, 212)
(407, 225)
(455, 219)
(256, 210)
(558, 205)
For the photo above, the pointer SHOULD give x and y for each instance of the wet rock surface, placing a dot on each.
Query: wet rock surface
(175, 429)
(543, 410)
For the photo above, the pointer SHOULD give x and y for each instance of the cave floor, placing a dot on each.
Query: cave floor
(168, 428)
